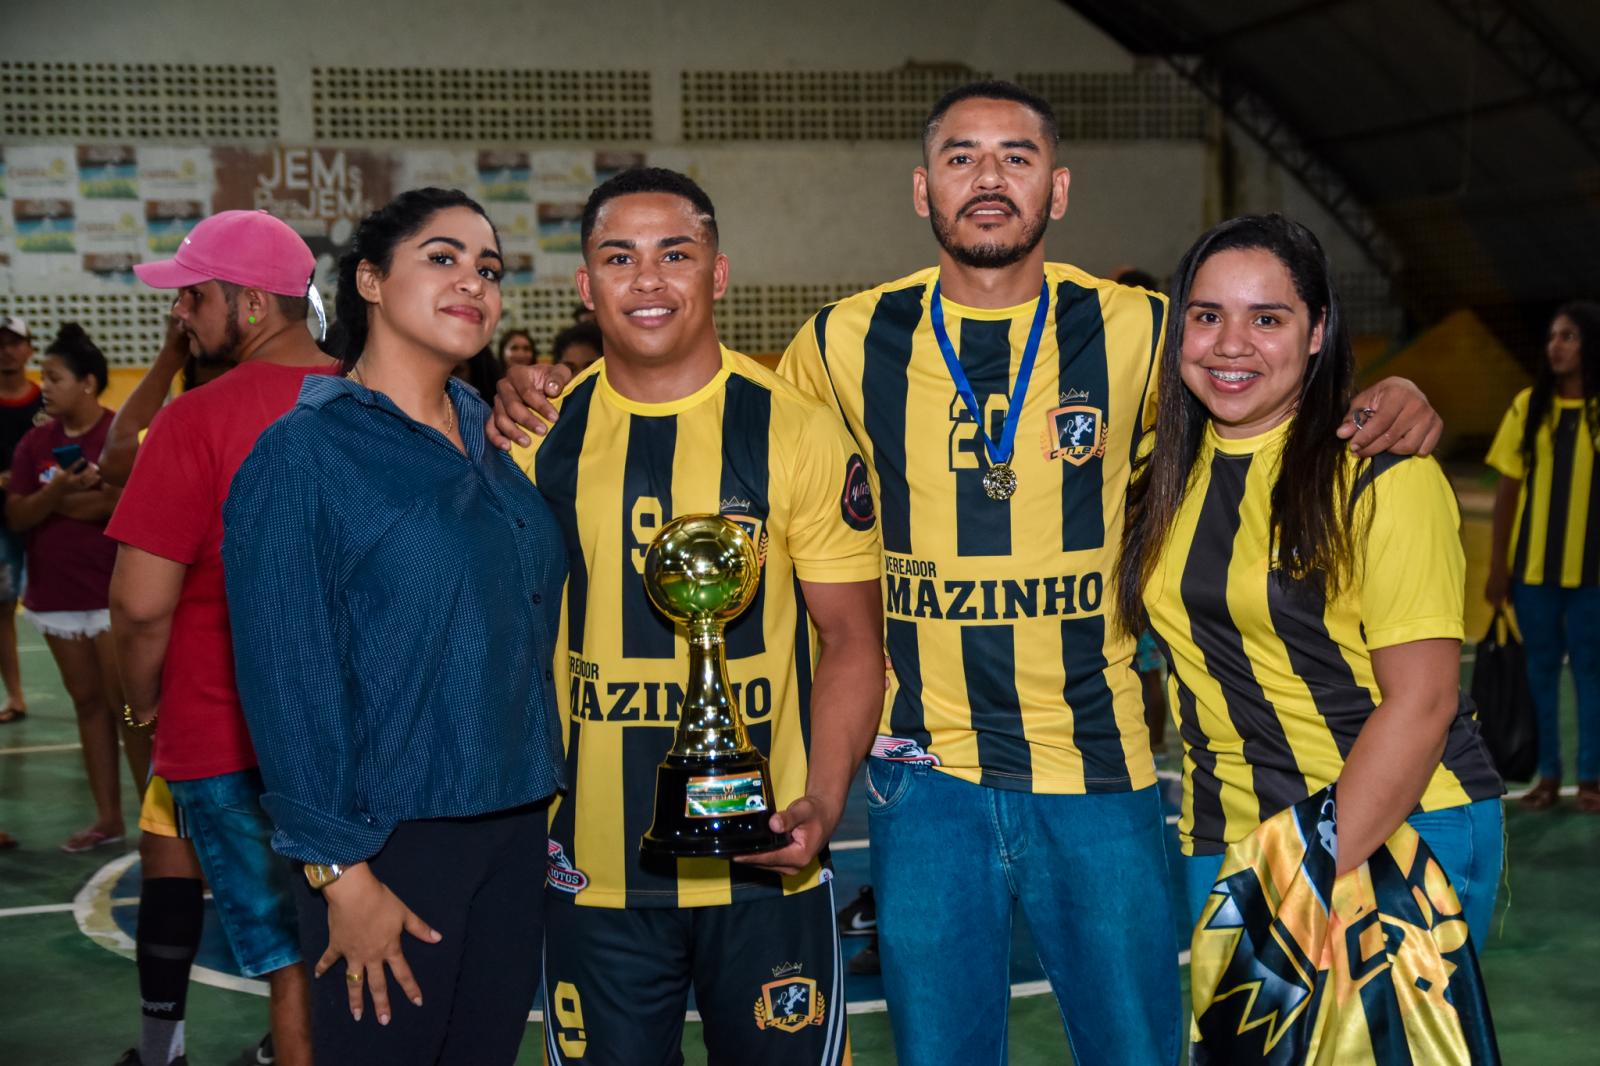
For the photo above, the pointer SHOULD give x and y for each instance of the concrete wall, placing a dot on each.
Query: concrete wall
(814, 212)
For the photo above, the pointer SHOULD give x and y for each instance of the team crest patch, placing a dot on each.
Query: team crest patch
(561, 874)
(855, 503)
(895, 749)
(791, 1002)
(1075, 432)
(751, 525)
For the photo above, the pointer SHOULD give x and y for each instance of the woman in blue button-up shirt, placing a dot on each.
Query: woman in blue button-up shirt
(402, 707)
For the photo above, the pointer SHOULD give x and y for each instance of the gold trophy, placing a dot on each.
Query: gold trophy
(713, 791)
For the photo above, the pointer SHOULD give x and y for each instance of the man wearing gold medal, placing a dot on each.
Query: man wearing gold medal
(999, 402)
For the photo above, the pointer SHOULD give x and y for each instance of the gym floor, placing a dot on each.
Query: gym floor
(66, 921)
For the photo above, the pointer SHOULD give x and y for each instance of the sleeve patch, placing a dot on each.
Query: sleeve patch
(856, 501)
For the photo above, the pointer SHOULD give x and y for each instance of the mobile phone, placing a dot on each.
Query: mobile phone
(68, 455)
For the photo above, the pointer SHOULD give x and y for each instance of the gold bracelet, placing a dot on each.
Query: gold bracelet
(134, 723)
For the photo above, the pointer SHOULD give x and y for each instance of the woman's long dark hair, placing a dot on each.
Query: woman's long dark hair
(375, 241)
(1585, 315)
(73, 347)
(1310, 534)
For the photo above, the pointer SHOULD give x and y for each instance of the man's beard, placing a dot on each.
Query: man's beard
(989, 255)
(228, 350)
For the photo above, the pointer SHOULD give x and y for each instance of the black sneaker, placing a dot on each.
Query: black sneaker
(865, 963)
(131, 1058)
(859, 917)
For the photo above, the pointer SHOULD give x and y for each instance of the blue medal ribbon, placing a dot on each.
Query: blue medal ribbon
(1000, 453)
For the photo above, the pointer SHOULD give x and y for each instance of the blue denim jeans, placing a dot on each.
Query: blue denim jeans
(951, 864)
(1468, 841)
(1557, 622)
(250, 885)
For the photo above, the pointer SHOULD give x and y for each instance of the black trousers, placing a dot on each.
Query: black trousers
(479, 882)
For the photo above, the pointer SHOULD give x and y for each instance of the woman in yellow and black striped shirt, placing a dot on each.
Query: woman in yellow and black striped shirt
(1546, 553)
(1310, 602)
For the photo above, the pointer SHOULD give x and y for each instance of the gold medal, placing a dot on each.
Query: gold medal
(1000, 481)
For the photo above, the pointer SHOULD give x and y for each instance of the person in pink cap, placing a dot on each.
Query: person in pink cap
(243, 282)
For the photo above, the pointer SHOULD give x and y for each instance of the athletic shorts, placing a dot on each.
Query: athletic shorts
(158, 814)
(766, 974)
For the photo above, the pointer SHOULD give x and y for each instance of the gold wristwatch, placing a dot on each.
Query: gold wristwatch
(320, 876)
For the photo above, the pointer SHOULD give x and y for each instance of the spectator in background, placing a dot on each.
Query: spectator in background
(242, 280)
(171, 906)
(56, 498)
(21, 408)
(581, 314)
(517, 349)
(578, 346)
(1545, 553)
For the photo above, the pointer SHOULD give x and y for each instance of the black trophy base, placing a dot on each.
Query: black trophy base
(712, 807)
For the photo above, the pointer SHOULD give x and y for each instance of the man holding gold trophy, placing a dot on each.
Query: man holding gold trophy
(723, 625)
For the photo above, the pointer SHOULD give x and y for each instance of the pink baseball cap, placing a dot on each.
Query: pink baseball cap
(249, 248)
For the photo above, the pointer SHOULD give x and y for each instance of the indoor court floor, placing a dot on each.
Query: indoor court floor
(71, 995)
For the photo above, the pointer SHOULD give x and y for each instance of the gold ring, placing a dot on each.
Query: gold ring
(353, 977)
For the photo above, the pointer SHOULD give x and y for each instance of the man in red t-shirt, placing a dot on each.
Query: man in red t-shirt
(21, 408)
(242, 278)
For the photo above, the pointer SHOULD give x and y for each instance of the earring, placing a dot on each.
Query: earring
(251, 320)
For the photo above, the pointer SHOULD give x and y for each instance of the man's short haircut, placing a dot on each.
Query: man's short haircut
(992, 90)
(648, 179)
(294, 308)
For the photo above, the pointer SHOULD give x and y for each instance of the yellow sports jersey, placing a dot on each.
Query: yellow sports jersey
(1271, 683)
(1555, 539)
(1006, 670)
(748, 445)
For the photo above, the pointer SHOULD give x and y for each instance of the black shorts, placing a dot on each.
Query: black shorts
(767, 979)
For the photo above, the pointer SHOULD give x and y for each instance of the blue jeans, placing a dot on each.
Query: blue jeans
(951, 864)
(250, 885)
(1468, 841)
(1557, 622)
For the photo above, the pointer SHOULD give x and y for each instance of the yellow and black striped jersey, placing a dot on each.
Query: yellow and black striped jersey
(747, 445)
(1555, 539)
(1006, 671)
(1271, 683)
